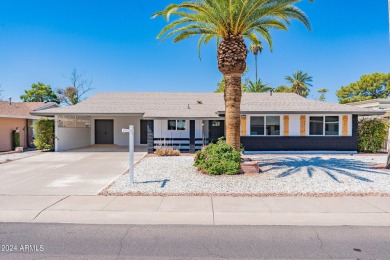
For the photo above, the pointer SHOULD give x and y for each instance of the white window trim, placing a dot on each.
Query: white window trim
(185, 125)
(323, 127)
(248, 126)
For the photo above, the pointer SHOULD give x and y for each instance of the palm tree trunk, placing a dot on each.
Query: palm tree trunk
(257, 64)
(232, 97)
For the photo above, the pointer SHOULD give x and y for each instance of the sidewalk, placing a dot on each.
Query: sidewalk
(299, 211)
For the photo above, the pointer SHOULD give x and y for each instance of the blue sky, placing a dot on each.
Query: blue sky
(115, 44)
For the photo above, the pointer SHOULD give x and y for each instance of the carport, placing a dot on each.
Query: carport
(79, 131)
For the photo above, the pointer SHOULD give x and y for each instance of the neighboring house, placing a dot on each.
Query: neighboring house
(16, 115)
(380, 104)
(270, 122)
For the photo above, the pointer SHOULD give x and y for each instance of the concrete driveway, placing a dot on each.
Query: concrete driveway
(78, 172)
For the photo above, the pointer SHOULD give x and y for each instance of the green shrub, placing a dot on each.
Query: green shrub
(372, 134)
(44, 134)
(15, 139)
(219, 158)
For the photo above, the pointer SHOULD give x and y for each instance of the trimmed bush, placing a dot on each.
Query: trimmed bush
(372, 134)
(219, 158)
(15, 139)
(44, 134)
(167, 152)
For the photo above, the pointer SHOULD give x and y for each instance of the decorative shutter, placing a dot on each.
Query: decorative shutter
(303, 125)
(345, 125)
(286, 125)
(243, 125)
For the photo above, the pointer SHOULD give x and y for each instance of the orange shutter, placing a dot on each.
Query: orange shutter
(286, 125)
(243, 125)
(345, 125)
(303, 125)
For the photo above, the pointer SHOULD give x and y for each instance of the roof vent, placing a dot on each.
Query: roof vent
(188, 106)
(270, 92)
(10, 100)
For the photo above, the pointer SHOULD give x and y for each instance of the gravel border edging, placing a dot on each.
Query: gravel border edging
(316, 195)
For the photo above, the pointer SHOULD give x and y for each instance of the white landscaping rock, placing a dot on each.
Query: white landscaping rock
(16, 156)
(282, 175)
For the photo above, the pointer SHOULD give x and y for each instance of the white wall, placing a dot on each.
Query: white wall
(161, 130)
(295, 123)
(71, 138)
(120, 122)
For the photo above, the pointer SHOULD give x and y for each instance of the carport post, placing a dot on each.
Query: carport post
(131, 152)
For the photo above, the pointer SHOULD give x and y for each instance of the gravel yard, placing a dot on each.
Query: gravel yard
(4, 158)
(312, 175)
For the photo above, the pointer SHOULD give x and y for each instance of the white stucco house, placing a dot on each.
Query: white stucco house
(269, 121)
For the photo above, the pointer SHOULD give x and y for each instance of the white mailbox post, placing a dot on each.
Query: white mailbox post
(131, 152)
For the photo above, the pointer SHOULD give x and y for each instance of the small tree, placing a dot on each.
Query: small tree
(372, 134)
(75, 93)
(376, 85)
(15, 139)
(322, 92)
(40, 92)
(283, 89)
(44, 134)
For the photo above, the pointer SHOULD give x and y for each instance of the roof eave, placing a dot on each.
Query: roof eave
(361, 113)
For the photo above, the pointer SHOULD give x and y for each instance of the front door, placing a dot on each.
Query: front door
(216, 129)
(104, 131)
(144, 132)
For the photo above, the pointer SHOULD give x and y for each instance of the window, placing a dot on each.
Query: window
(331, 125)
(69, 121)
(216, 123)
(324, 125)
(176, 125)
(257, 125)
(268, 125)
(273, 125)
(316, 125)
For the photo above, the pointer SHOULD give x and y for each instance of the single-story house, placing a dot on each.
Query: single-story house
(17, 116)
(269, 121)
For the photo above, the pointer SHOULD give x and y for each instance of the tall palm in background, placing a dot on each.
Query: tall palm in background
(300, 83)
(256, 49)
(230, 21)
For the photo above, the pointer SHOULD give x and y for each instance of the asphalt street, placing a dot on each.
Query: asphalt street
(70, 241)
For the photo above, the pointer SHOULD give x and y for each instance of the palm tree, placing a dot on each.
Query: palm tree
(256, 49)
(230, 21)
(257, 86)
(221, 86)
(300, 83)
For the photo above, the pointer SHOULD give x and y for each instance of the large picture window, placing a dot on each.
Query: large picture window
(324, 125)
(265, 125)
(176, 125)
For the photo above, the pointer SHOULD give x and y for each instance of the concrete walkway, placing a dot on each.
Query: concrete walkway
(300, 211)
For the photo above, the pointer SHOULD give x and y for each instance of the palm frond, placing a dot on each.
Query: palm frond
(251, 19)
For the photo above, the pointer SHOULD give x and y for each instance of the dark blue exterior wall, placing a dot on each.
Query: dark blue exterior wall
(303, 143)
